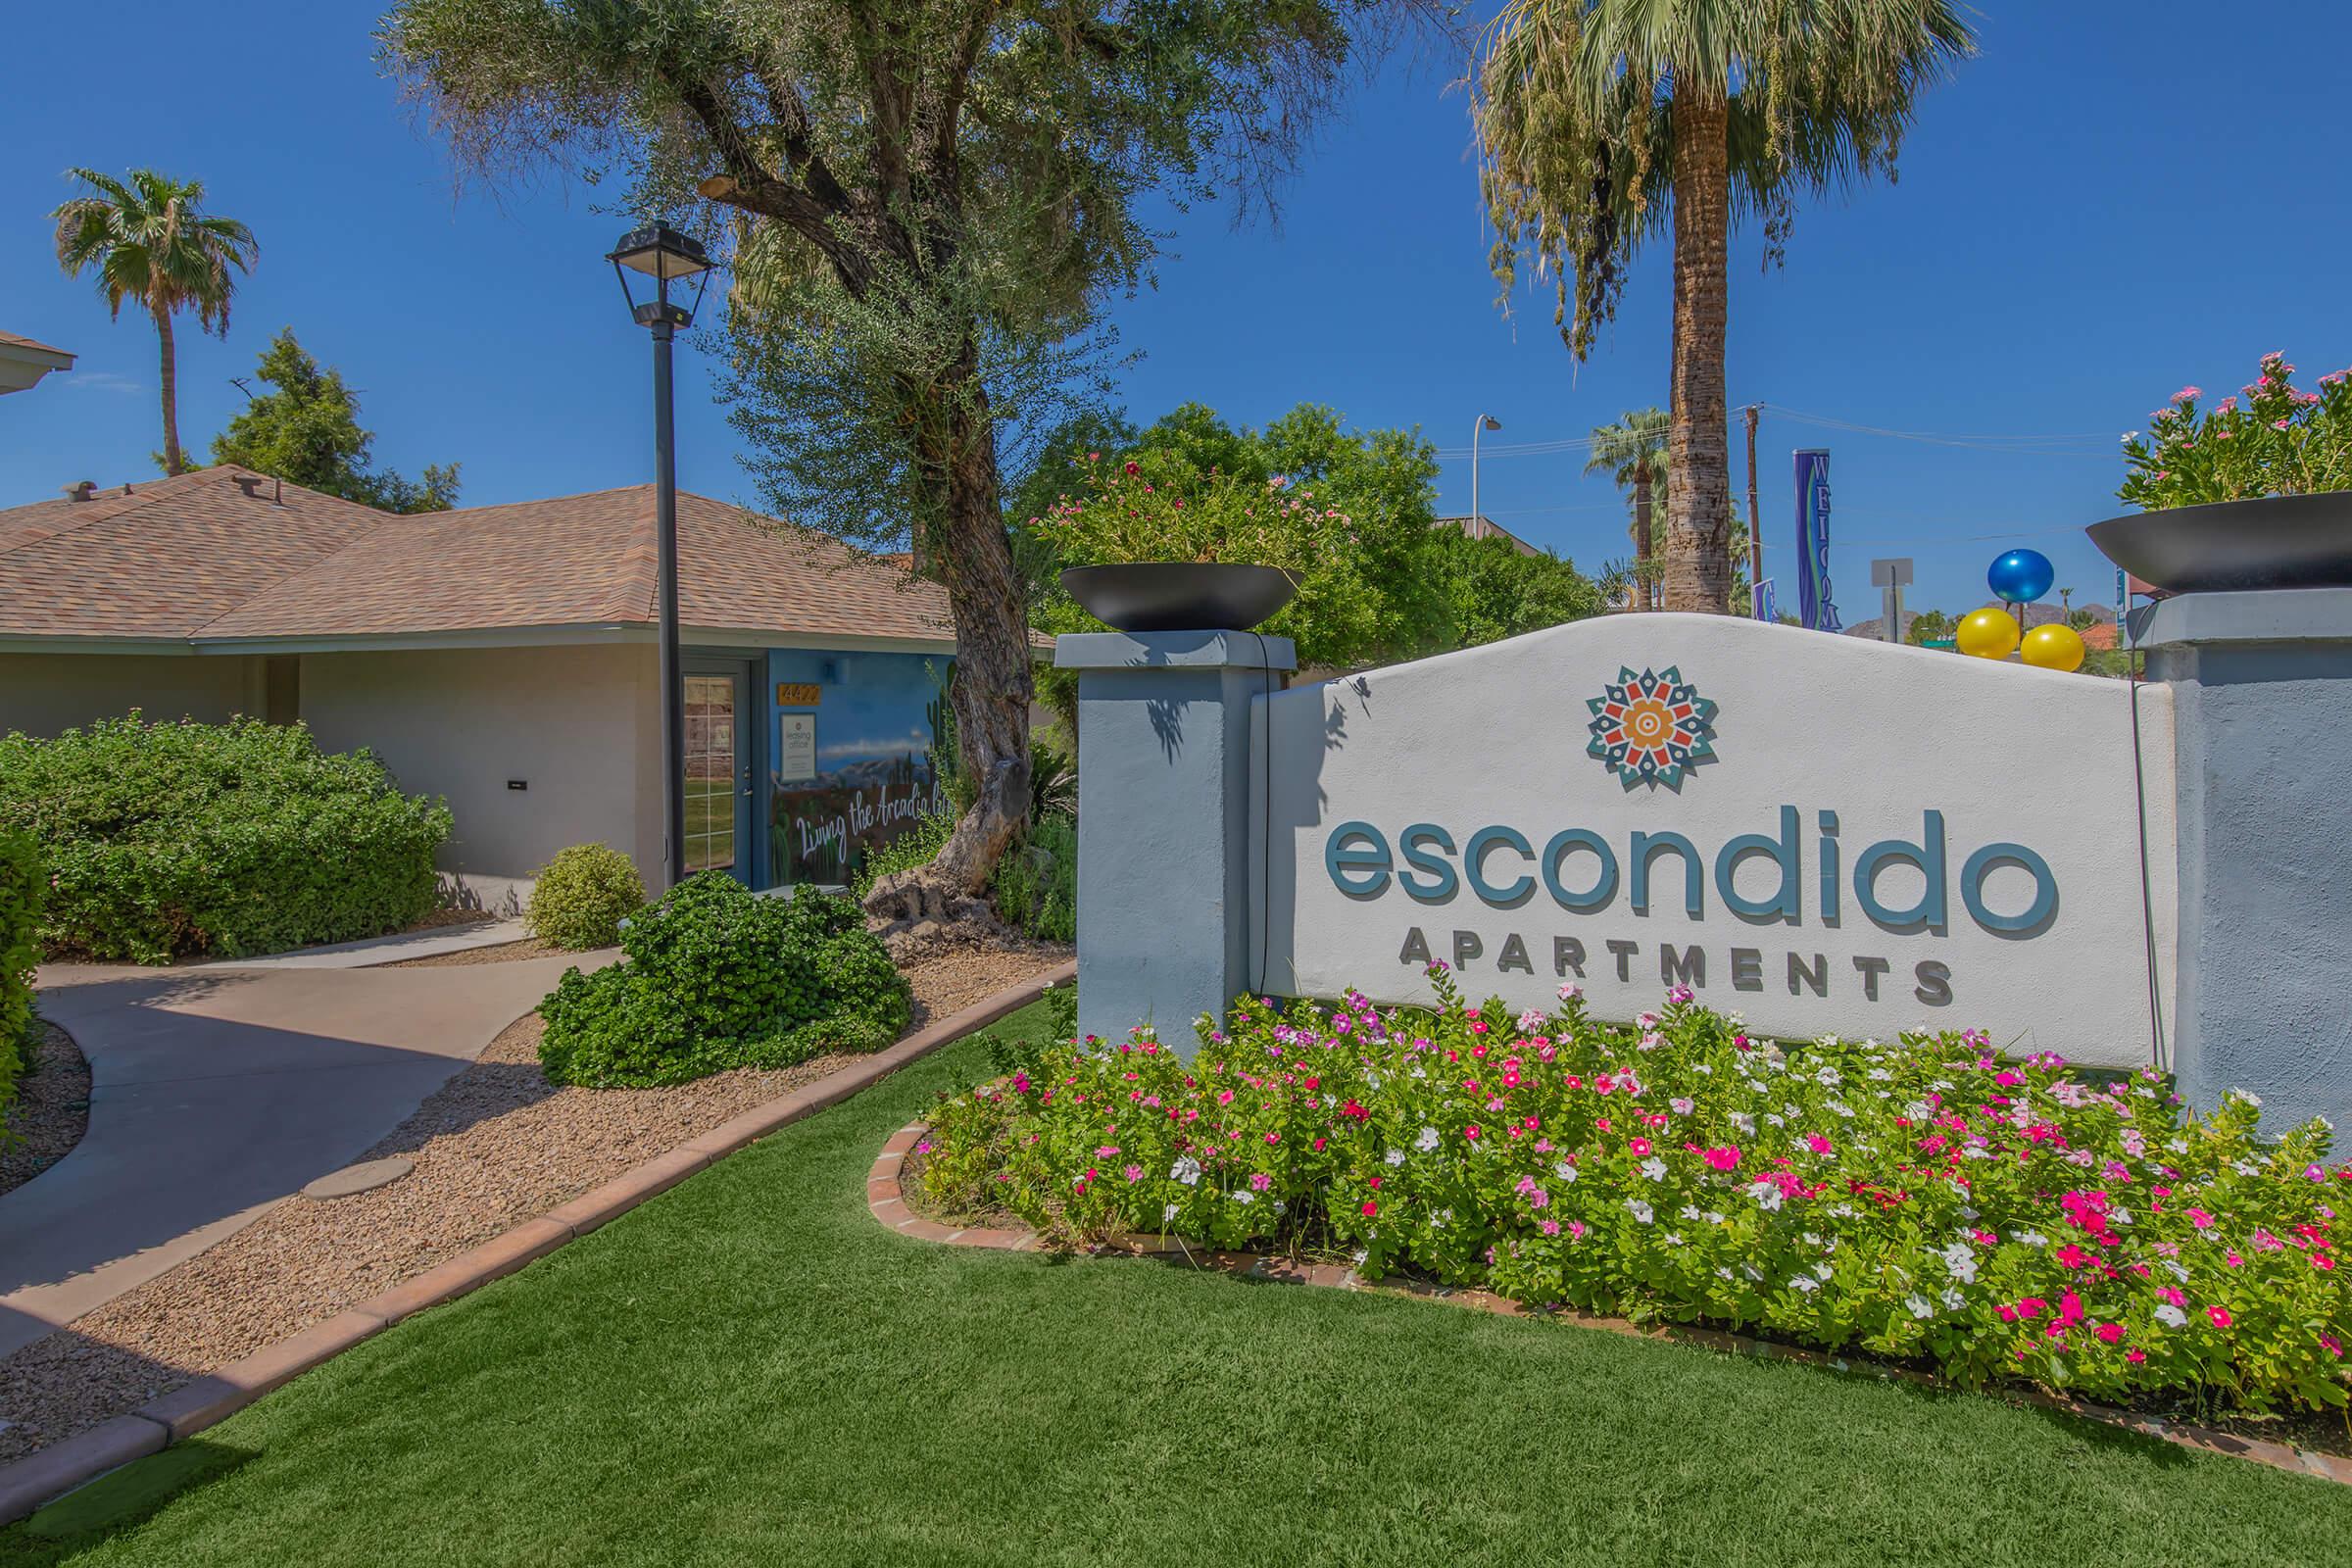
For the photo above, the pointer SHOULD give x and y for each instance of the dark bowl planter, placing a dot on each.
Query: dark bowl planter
(2269, 542)
(1180, 595)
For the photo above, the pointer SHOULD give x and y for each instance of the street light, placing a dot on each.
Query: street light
(1486, 421)
(665, 256)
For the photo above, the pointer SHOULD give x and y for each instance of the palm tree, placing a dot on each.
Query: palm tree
(1633, 451)
(1602, 122)
(150, 242)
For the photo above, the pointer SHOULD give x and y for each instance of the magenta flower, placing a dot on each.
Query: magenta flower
(2220, 1316)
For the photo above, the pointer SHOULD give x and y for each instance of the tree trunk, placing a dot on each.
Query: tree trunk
(1645, 581)
(174, 461)
(993, 681)
(1698, 498)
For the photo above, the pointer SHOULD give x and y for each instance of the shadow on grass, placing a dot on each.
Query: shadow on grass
(118, 1501)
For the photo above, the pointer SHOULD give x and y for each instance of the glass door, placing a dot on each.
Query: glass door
(717, 790)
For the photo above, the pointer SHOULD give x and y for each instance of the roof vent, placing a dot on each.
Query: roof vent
(80, 491)
(251, 484)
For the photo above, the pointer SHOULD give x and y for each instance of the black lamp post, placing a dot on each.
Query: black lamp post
(660, 253)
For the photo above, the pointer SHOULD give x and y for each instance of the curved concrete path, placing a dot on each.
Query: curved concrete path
(218, 1089)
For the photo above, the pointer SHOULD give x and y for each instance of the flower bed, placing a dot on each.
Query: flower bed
(1929, 1200)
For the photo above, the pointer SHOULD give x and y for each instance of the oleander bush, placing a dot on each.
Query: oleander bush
(1925, 1201)
(21, 888)
(715, 978)
(581, 896)
(217, 838)
(2281, 441)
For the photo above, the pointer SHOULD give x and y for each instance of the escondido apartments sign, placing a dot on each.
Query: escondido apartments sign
(1820, 832)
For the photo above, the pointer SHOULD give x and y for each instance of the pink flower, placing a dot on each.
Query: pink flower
(1550, 1227)
(2200, 1219)
(2165, 1293)
(2220, 1316)
(2336, 1347)
(2110, 1332)
(2135, 1356)
(1370, 1209)
(1471, 1132)
(1259, 1181)
(1818, 1143)
(1639, 1147)
(1723, 1158)
(2188, 393)
(1134, 1173)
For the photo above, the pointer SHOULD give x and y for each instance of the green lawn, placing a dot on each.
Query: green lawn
(750, 1370)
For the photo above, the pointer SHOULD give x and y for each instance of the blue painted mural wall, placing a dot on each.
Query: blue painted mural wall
(849, 741)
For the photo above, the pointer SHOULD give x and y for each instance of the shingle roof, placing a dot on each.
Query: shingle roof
(197, 556)
(18, 340)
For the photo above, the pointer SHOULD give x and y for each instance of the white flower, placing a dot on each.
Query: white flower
(1280, 1205)
(1167, 1214)
(1652, 1041)
(1919, 1305)
(1828, 1078)
(1241, 1196)
(1751, 1271)
(2179, 1146)
(1712, 1217)
(1654, 1168)
(1823, 1272)
(1187, 1171)
(2247, 1095)
(1880, 1075)
(1952, 1300)
(1744, 1122)
(2035, 1239)
(1531, 1020)
(2245, 1167)
(1766, 1194)
(1804, 1284)
(1673, 1237)
(1772, 1118)
(1689, 1211)
(1394, 1156)
(1683, 1106)
(1842, 1110)
(1961, 1260)
(1723, 1273)
(1639, 1209)
(1427, 1141)
(2171, 1316)
(1570, 991)
(1564, 1171)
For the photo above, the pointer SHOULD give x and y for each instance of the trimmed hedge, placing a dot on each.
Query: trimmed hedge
(19, 949)
(718, 978)
(582, 895)
(223, 839)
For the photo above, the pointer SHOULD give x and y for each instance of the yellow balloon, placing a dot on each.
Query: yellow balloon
(1987, 634)
(2054, 647)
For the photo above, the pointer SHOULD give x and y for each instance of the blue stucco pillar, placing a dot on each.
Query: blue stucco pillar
(1165, 782)
(2262, 710)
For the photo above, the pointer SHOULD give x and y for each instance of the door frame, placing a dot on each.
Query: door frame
(749, 668)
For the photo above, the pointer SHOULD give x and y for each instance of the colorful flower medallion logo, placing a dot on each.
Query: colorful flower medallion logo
(1652, 729)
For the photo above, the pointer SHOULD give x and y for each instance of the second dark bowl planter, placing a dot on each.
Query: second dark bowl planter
(2268, 542)
(1180, 595)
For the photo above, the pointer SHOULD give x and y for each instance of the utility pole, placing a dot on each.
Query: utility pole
(1755, 532)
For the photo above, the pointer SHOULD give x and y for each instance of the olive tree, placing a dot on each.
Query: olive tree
(926, 202)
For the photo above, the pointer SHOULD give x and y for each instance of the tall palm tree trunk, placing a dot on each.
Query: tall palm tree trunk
(1698, 498)
(174, 460)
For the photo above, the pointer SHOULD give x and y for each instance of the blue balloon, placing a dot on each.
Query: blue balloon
(2021, 576)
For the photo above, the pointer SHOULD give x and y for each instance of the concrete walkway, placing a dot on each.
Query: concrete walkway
(216, 1090)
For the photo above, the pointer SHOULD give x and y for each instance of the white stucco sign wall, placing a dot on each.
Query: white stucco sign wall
(1822, 833)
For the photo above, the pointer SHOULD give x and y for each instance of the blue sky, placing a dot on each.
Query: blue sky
(2121, 196)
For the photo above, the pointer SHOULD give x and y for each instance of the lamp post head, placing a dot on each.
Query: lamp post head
(1492, 423)
(665, 256)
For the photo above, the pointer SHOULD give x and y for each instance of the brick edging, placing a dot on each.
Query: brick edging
(49, 1473)
(885, 1199)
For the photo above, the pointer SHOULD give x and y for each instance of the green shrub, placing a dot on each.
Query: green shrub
(21, 888)
(718, 978)
(1036, 884)
(224, 839)
(918, 844)
(582, 895)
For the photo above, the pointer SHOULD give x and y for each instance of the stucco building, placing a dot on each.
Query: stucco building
(500, 656)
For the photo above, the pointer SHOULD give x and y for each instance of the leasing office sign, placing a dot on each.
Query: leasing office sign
(1820, 832)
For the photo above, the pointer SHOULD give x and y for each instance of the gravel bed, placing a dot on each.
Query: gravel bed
(501, 952)
(493, 1147)
(50, 1110)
